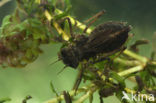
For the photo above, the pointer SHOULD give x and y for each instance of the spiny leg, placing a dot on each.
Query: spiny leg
(79, 78)
(101, 99)
(98, 79)
(70, 26)
(100, 60)
(93, 19)
(121, 51)
(75, 25)
(67, 97)
(81, 38)
(106, 67)
(95, 16)
(106, 56)
(110, 61)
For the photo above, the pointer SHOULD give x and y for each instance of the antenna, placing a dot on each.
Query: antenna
(55, 61)
(62, 69)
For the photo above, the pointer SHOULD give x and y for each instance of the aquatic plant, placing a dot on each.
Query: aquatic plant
(36, 22)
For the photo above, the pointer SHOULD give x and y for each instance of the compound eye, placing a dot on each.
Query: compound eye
(65, 54)
(64, 51)
(68, 57)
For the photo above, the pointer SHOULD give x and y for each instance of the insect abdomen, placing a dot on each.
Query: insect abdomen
(106, 38)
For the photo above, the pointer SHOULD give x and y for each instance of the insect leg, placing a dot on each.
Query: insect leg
(67, 97)
(93, 19)
(70, 26)
(106, 67)
(101, 99)
(106, 56)
(139, 82)
(121, 51)
(101, 59)
(78, 79)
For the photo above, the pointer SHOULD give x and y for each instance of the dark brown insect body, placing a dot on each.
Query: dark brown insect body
(105, 38)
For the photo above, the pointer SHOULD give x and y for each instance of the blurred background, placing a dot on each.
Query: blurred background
(35, 78)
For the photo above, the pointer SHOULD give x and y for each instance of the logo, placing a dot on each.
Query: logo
(138, 97)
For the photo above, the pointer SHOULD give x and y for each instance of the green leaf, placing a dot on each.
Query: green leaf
(147, 78)
(117, 77)
(6, 20)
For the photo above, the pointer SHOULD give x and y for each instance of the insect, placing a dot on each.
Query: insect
(107, 38)
(105, 92)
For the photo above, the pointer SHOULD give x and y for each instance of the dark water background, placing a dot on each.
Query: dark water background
(34, 79)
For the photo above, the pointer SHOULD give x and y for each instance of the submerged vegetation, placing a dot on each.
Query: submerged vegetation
(36, 22)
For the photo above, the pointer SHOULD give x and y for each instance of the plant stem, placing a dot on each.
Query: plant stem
(86, 95)
(127, 62)
(79, 24)
(136, 56)
(134, 92)
(72, 93)
(57, 27)
(92, 88)
(131, 70)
